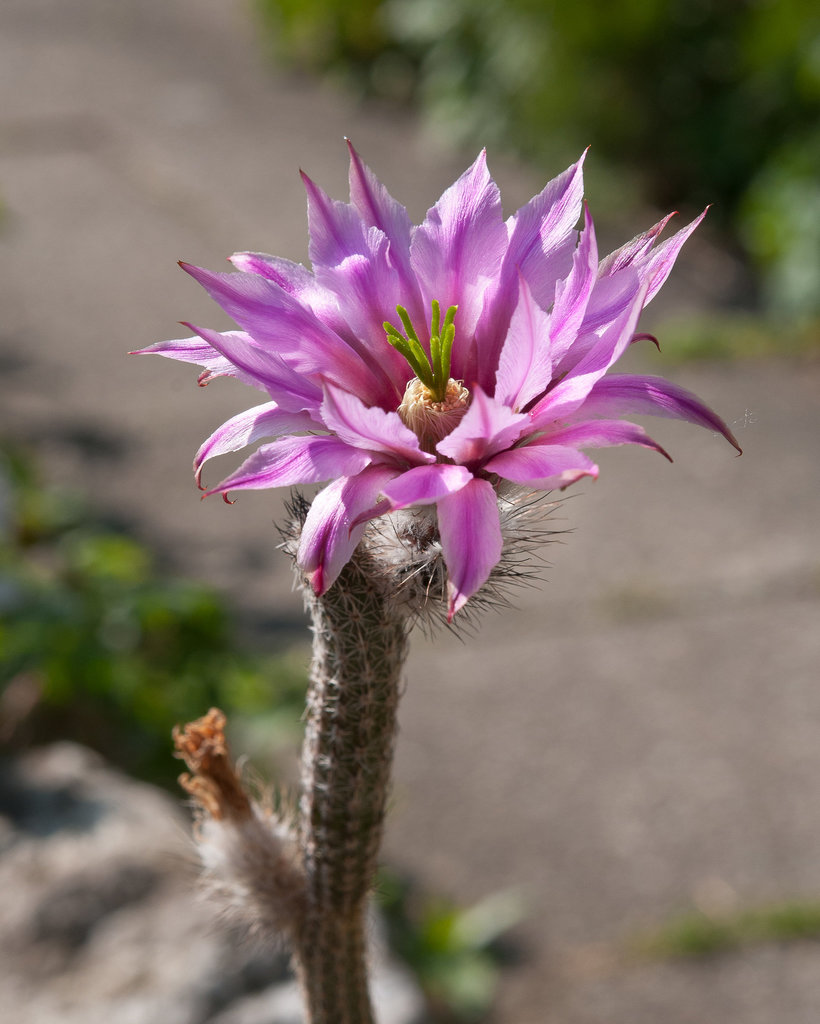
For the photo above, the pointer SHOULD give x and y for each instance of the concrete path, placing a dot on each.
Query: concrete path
(640, 736)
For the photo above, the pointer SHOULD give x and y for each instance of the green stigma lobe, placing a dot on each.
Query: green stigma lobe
(433, 372)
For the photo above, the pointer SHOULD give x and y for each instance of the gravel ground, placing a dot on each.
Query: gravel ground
(641, 735)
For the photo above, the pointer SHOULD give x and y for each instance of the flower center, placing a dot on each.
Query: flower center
(429, 419)
(433, 402)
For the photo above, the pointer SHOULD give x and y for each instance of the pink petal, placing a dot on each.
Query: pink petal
(295, 460)
(615, 287)
(602, 434)
(197, 350)
(379, 209)
(370, 428)
(456, 254)
(486, 427)
(336, 229)
(543, 466)
(542, 236)
(661, 260)
(266, 369)
(525, 363)
(471, 540)
(654, 396)
(267, 420)
(330, 535)
(635, 249)
(353, 263)
(610, 297)
(367, 290)
(573, 293)
(375, 205)
(292, 277)
(571, 392)
(280, 322)
(424, 485)
(542, 240)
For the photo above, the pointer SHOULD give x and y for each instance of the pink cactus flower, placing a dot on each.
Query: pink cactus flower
(433, 364)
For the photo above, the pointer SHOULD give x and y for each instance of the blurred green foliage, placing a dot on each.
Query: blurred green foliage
(455, 953)
(698, 934)
(721, 336)
(700, 101)
(98, 647)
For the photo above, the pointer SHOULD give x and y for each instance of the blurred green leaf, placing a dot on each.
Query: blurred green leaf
(701, 101)
(117, 652)
(452, 951)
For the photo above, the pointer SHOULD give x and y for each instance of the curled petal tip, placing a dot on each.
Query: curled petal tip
(647, 337)
(226, 499)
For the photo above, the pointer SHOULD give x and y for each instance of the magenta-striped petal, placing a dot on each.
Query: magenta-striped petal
(197, 350)
(295, 460)
(290, 389)
(610, 297)
(425, 484)
(379, 209)
(602, 434)
(268, 420)
(422, 485)
(278, 321)
(616, 281)
(292, 277)
(542, 239)
(630, 393)
(299, 282)
(336, 229)
(542, 466)
(354, 263)
(525, 364)
(573, 293)
(367, 290)
(330, 533)
(653, 263)
(471, 540)
(371, 428)
(487, 427)
(660, 261)
(542, 234)
(571, 392)
(456, 254)
(635, 249)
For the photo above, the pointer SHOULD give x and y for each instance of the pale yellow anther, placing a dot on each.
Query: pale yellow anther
(429, 420)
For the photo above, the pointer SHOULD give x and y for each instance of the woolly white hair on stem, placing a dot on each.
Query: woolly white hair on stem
(251, 871)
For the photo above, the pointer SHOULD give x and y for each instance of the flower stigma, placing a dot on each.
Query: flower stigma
(433, 402)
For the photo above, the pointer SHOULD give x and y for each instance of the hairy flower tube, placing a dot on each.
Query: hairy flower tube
(434, 364)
